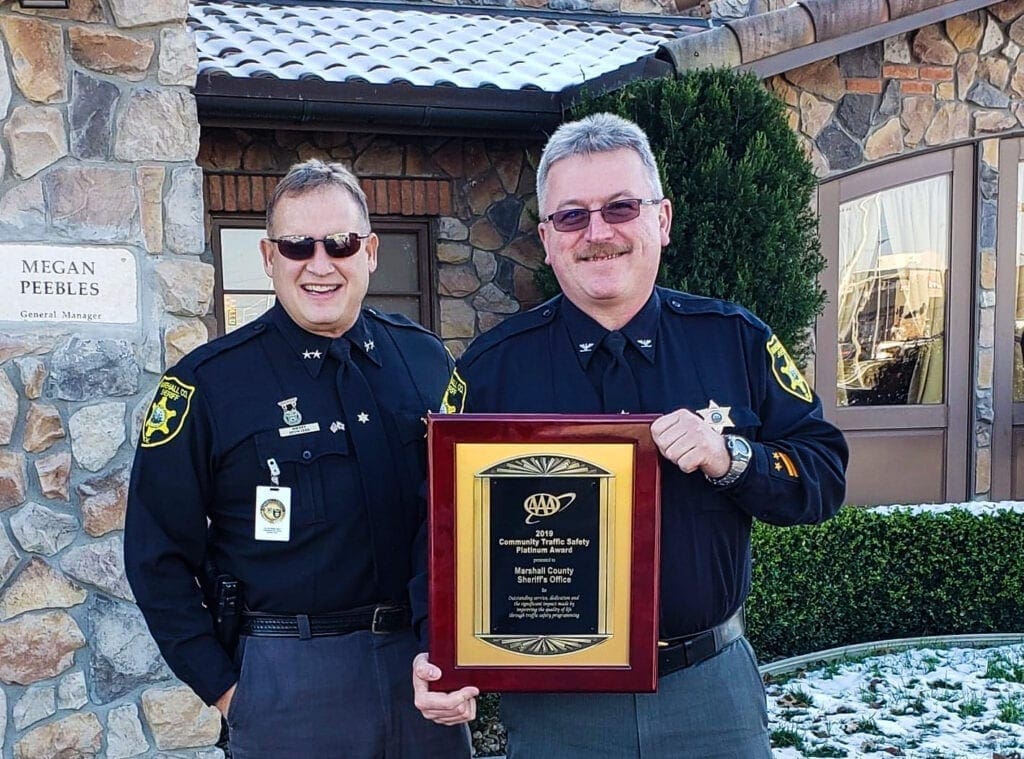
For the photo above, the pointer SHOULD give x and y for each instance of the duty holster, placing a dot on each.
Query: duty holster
(223, 596)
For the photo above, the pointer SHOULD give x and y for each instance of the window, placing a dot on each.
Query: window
(893, 271)
(401, 283)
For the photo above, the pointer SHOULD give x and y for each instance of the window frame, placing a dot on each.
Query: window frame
(948, 424)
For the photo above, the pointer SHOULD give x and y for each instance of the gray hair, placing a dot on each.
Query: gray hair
(598, 133)
(313, 175)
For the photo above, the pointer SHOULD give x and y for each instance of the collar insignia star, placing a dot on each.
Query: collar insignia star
(363, 417)
(586, 347)
(645, 343)
(716, 416)
(311, 354)
(368, 346)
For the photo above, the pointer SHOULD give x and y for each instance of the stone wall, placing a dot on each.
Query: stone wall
(98, 146)
(957, 81)
(485, 227)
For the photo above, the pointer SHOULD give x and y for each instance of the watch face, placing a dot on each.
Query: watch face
(739, 446)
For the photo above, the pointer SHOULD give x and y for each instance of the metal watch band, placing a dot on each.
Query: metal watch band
(739, 454)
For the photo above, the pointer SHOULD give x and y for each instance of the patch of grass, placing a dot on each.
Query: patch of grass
(784, 737)
(1011, 709)
(799, 697)
(831, 669)
(913, 705)
(867, 725)
(973, 705)
(1001, 667)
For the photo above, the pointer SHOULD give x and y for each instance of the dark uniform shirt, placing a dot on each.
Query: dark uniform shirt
(219, 417)
(685, 352)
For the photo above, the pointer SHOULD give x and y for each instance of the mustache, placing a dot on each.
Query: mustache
(599, 250)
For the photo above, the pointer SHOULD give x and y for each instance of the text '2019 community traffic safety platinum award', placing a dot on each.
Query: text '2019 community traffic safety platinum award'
(543, 552)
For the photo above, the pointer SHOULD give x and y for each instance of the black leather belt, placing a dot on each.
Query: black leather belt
(677, 653)
(378, 619)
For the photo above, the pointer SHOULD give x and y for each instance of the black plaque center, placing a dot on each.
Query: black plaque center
(545, 555)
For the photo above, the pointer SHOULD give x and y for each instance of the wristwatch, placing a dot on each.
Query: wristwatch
(739, 453)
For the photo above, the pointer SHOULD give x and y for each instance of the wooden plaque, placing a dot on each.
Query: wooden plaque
(544, 552)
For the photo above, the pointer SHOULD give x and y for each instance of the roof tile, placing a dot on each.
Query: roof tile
(832, 20)
(768, 34)
(901, 8)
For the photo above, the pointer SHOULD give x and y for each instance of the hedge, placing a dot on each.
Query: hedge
(866, 575)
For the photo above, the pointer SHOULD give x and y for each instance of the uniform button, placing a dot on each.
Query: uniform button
(307, 455)
(675, 304)
(546, 312)
(259, 327)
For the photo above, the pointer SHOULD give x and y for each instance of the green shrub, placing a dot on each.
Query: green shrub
(741, 187)
(866, 576)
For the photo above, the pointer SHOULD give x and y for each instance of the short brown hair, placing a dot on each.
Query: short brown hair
(315, 174)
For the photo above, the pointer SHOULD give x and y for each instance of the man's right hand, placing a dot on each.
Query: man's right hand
(452, 708)
(224, 702)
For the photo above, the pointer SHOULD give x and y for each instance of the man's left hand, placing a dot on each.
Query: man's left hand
(688, 441)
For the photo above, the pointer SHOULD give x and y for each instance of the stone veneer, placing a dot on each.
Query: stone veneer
(485, 227)
(99, 138)
(956, 81)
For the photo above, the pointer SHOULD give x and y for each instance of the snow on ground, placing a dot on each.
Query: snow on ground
(926, 703)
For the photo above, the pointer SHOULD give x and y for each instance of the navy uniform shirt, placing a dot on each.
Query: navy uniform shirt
(214, 425)
(685, 352)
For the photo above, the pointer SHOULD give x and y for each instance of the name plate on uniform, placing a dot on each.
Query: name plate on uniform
(544, 552)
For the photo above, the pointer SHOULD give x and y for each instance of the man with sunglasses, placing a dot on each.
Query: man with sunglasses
(281, 467)
(740, 433)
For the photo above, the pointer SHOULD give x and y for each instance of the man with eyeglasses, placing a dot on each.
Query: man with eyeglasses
(741, 436)
(281, 468)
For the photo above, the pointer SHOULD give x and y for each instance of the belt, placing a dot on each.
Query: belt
(377, 619)
(678, 653)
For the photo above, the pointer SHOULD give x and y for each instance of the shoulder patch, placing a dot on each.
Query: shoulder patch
(454, 400)
(786, 372)
(167, 412)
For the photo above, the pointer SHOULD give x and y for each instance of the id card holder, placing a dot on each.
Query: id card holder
(273, 513)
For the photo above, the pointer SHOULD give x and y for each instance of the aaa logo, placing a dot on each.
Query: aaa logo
(541, 505)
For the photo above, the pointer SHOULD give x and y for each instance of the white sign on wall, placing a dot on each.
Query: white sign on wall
(64, 283)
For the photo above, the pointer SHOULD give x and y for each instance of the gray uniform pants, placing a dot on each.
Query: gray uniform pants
(336, 697)
(715, 710)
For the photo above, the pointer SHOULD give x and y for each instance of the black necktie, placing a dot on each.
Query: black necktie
(366, 429)
(618, 385)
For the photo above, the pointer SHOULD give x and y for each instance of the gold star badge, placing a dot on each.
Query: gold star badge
(716, 416)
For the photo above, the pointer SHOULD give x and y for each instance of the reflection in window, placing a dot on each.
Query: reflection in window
(893, 264)
(1018, 332)
(247, 291)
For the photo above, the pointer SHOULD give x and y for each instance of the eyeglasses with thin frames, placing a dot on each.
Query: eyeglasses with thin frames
(338, 245)
(616, 212)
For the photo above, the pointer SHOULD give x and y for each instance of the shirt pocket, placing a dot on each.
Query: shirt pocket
(302, 459)
(412, 434)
